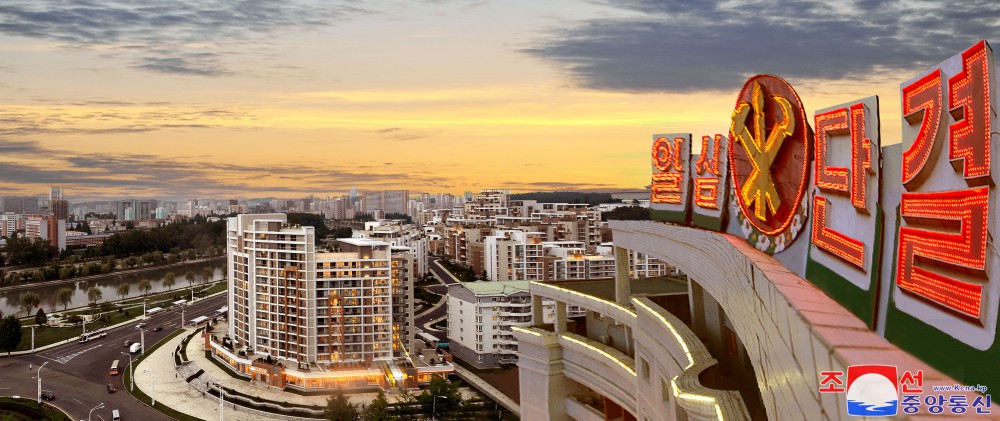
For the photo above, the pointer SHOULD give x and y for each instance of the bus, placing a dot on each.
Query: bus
(153, 311)
(89, 336)
(114, 368)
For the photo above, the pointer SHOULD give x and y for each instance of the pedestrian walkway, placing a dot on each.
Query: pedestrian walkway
(488, 389)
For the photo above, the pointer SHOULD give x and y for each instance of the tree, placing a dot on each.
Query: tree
(65, 297)
(29, 301)
(378, 409)
(145, 286)
(404, 403)
(206, 274)
(123, 289)
(131, 262)
(448, 397)
(40, 317)
(169, 280)
(10, 333)
(190, 277)
(94, 295)
(339, 408)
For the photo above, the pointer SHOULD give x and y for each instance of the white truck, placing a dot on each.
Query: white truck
(135, 348)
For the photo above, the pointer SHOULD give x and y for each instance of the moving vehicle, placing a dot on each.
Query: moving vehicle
(48, 395)
(115, 416)
(154, 310)
(111, 388)
(158, 328)
(140, 325)
(128, 342)
(135, 348)
(89, 336)
(114, 368)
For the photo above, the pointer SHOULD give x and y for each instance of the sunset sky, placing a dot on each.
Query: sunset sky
(220, 99)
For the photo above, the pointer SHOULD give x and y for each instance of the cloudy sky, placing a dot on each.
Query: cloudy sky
(202, 98)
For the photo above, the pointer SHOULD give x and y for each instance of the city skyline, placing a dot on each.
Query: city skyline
(181, 100)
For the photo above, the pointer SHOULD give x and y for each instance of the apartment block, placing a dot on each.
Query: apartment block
(480, 318)
(342, 317)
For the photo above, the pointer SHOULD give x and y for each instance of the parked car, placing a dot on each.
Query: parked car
(158, 328)
(111, 388)
(48, 395)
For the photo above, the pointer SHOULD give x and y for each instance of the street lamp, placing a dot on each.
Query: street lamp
(39, 375)
(153, 378)
(95, 408)
(434, 402)
(222, 398)
(131, 370)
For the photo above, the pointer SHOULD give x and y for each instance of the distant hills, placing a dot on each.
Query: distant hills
(565, 197)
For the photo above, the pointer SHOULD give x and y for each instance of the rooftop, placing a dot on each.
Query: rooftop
(605, 288)
(495, 287)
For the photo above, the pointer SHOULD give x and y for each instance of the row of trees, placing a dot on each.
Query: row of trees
(441, 398)
(72, 266)
(30, 300)
(196, 234)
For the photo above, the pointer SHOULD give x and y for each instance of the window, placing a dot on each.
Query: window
(644, 368)
(665, 390)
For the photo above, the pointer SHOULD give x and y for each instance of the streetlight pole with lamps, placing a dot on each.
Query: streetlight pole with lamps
(153, 378)
(434, 402)
(95, 408)
(131, 370)
(222, 399)
(39, 375)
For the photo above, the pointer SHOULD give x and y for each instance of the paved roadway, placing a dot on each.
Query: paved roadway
(78, 373)
(443, 275)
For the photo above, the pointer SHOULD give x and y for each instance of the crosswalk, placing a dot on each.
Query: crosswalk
(64, 356)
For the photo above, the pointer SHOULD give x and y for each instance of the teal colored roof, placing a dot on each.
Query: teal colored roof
(496, 287)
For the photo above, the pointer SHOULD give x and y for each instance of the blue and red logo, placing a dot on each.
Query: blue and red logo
(872, 390)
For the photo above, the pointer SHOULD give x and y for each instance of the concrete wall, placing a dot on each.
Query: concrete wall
(790, 328)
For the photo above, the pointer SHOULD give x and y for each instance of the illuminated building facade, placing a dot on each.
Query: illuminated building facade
(349, 310)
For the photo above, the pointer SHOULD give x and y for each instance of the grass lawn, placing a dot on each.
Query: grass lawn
(50, 335)
(27, 410)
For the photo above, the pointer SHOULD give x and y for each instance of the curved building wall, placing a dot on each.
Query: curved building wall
(791, 329)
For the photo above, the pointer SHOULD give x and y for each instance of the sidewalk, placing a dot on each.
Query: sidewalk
(173, 391)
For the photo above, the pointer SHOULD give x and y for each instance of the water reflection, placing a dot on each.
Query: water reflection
(10, 301)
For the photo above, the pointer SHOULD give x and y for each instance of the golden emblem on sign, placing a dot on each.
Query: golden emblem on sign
(761, 147)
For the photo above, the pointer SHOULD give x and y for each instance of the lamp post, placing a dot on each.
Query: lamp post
(95, 408)
(32, 338)
(222, 399)
(153, 378)
(144, 317)
(142, 341)
(131, 375)
(434, 402)
(182, 316)
(39, 375)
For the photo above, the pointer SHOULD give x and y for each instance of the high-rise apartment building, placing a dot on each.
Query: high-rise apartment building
(389, 201)
(348, 308)
(20, 204)
(129, 210)
(57, 205)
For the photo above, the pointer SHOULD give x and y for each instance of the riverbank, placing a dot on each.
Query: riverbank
(54, 282)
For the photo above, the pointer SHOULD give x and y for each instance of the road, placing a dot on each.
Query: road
(78, 373)
(442, 275)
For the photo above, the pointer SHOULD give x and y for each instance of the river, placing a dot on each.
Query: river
(10, 301)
